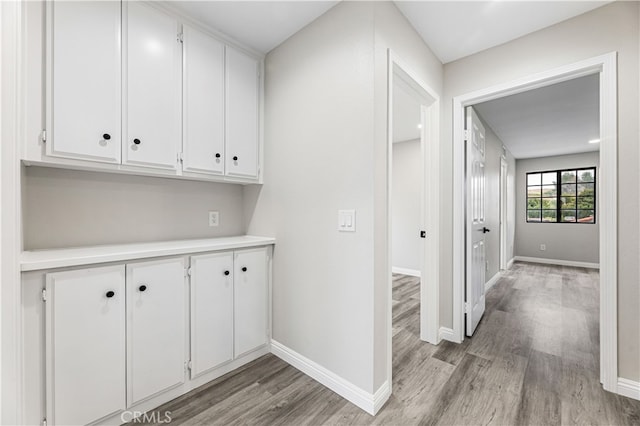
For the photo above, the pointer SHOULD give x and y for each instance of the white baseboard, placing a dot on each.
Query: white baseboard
(510, 263)
(369, 402)
(628, 388)
(557, 262)
(447, 334)
(492, 281)
(406, 271)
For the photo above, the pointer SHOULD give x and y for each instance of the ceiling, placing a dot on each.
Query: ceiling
(261, 25)
(450, 28)
(455, 29)
(555, 120)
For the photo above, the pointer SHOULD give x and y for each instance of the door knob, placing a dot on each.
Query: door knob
(485, 230)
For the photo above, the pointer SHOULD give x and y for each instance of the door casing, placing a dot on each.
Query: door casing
(606, 66)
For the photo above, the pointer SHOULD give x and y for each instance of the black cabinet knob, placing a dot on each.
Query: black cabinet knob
(142, 287)
(136, 141)
(235, 158)
(244, 269)
(226, 272)
(106, 136)
(217, 155)
(110, 294)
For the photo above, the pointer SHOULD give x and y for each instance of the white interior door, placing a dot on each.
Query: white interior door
(476, 250)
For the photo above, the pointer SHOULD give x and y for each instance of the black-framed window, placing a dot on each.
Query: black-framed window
(562, 196)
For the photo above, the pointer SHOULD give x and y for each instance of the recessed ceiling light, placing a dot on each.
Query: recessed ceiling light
(594, 141)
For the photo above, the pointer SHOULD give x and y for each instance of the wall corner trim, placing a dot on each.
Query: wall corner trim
(628, 388)
(406, 271)
(367, 401)
(447, 334)
(492, 281)
(557, 262)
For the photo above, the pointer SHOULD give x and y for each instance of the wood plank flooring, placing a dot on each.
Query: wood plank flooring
(533, 361)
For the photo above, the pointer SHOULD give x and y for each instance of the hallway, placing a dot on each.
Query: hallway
(533, 360)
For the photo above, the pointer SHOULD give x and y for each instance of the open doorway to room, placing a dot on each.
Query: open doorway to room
(556, 131)
(413, 125)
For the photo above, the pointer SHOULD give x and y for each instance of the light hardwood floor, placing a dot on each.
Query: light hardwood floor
(533, 361)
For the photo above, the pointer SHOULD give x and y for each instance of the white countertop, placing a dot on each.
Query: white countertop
(77, 256)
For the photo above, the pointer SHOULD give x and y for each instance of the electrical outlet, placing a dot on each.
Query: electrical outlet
(543, 247)
(214, 218)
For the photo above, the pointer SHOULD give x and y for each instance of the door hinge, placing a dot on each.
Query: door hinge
(180, 38)
(180, 157)
(187, 272)
(423, 234)
(188, 365)
(44, 135)
(466, 135)
(44, 294)
(44, 422)
(467, 307)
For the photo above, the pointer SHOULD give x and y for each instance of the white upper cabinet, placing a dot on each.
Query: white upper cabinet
(85, 344)
(242, 114)
(84, 97)
(203, 103)
(152, 129)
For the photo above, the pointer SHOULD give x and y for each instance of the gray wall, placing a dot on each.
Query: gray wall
(66, 208)
(406, 247)
(613, 27)
(564, 241)
(326, 149)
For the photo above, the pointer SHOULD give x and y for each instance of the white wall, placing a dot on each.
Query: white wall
(613, 27)
(564, 241)
(65, 208)
(326, 149)
(406, 246)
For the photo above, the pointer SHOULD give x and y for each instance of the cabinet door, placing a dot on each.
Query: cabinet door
(83, 111)
(203, 103)
(250, 299)
(211, 311)
(85, 344)
(152, 135)
(241, 114)
(156, 327)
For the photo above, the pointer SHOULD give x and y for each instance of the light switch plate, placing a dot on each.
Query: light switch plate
(214, 218)
(347, 220)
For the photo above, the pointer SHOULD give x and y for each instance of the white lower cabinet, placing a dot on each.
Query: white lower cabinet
(229, 306)
(211, 311)
(85, 344)
(116, 337)
(156, 327)
(250, 292)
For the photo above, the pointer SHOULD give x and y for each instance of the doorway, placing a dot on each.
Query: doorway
(413, 116)
(605, 67)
